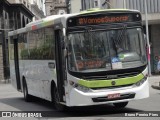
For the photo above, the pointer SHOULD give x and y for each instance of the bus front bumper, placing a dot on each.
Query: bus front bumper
(98, 97)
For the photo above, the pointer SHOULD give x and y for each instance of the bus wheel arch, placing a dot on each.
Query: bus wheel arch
(55, 98)
(53, 85)
(27, 97)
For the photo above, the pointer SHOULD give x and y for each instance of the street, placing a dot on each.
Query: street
(11, 100)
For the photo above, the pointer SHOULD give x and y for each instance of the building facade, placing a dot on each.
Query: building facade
(24, 2)
(36, 6)
(87, 4)
(12, 16)
(75, 6)
(54, 7)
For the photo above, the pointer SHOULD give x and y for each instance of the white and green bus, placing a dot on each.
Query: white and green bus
(90, 58)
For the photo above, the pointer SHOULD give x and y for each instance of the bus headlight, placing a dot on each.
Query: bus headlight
(139, 83)
(79, 87)
(83, 88)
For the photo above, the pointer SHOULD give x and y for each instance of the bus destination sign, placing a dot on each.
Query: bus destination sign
(103, 19)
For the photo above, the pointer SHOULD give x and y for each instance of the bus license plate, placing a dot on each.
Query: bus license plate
(112, 96)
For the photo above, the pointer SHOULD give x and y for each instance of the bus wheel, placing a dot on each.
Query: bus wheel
(27, 97)
(56, 100)
(120, 105)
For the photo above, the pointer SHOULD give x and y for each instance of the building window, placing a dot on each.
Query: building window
(84, 5)
(61, 1)
(95, 3)
(24, 2)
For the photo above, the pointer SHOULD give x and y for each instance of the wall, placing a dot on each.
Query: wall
(155, 45)
(11, 17)
(1, 64)
(75, 6)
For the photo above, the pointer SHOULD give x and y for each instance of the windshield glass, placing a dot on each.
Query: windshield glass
(106, 50)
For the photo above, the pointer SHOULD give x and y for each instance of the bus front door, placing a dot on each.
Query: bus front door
(60, 69)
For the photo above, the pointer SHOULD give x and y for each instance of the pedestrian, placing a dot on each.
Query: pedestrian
(158, 66)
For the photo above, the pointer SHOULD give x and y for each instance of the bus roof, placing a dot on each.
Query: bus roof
(94, 10)
(50, 20)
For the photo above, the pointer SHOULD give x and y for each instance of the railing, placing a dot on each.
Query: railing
(60, 5)
(153, 6)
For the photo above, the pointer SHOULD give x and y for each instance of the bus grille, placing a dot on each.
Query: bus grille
(111, 87)
(111, 76)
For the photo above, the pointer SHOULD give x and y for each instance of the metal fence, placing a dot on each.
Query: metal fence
(153, 6)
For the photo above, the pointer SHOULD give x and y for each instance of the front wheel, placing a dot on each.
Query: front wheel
(56, 100)
(120, 105)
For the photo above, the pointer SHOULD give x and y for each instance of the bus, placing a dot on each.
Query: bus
(94, 57)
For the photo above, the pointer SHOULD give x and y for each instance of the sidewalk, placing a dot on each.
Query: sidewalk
(156, 84)
(5, 81)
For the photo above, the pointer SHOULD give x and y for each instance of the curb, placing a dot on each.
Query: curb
(154, 76)
(156, 87)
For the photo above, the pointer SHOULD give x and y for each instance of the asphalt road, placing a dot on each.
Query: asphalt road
(11, 100)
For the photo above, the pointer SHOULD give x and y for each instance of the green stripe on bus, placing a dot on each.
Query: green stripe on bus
(108, 83)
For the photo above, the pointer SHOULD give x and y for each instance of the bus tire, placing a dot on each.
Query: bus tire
(55, 99)
(120, 105)
(27, 97)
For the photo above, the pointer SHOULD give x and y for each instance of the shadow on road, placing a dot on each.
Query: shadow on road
(39, 105)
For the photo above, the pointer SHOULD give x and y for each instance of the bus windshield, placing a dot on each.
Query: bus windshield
(106, 50)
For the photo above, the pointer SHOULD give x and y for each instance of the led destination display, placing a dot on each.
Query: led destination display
(103, 19)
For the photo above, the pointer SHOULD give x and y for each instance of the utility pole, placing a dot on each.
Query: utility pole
(124, 4)
(68, 5)
(147, 36)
